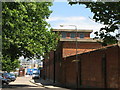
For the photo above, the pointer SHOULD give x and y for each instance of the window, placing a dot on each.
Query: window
(72, 35)
(82, 36)
(64, 34)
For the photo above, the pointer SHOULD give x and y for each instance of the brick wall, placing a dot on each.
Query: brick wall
(112, 55)
(119, 67)
(57, 61)
(51, 61)
(94, 73)
(69, 48)
(91, 73)
(98, 68)
(87, 36)
(70, 72)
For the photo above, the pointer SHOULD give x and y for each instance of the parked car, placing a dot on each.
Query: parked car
(35, 75)
(12, 75)
(4, 81)
(9, 76)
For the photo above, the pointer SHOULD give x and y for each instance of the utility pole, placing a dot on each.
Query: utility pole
(76, 53)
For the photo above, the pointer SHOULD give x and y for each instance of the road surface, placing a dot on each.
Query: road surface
(23, 83)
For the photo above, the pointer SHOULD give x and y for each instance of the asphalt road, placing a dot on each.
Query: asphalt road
(23, 83)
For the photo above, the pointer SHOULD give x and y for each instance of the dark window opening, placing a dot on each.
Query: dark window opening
(82, 35)
(64, 34)
(72, 35)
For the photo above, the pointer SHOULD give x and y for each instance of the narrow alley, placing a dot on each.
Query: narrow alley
(23, 83)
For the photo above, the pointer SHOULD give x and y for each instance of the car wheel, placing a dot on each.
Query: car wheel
(7, 83)
(4, 83)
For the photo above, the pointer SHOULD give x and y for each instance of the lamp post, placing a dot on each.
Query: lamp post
(76, 38)
(76, 52)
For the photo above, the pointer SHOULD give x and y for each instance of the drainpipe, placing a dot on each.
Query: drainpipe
(54, 68)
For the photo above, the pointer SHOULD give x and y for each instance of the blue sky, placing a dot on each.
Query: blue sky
(65, 14)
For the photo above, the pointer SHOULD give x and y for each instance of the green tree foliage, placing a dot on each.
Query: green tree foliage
(8, 65)
(25, 30)
(107, 13)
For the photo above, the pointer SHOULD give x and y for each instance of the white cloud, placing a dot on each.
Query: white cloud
(80, 25)
(80, 21)
(75, 18)
(53, 19)
(60, 0)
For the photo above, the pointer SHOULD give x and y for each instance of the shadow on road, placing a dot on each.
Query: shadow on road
(50, 85)
(17, 86)
(43, 82)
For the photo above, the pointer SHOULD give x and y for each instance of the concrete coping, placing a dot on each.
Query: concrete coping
(72, 30)
(79, 40)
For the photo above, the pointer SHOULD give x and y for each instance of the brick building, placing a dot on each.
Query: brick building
(96, 69)
(69, 41)
(67, 47)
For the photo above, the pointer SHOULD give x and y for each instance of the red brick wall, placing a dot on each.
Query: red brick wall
(91, 74)
(91, 71)
(45, 70)
(49, 64)
(58, 60)
(57, 72)
(87, 36)
(112, 67)
(46, 62)
(119, 66)
(68, 35)
(69, 48)
(70, 73)
(51, 61)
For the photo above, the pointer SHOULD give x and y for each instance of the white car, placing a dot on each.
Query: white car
(35, 75)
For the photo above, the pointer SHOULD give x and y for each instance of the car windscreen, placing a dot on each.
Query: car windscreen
(1, 77)
(36, 73)
(6, 74)
(11, 74)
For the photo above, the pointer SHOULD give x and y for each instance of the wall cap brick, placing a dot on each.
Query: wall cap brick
(78, 40)
(72, 30)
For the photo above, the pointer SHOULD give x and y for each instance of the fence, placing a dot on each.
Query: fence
(98, 68)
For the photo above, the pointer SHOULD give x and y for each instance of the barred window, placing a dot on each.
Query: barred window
(72, 35)
(82, 35)
(64, 34)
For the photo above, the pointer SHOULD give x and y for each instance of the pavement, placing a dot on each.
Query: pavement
(46, 84)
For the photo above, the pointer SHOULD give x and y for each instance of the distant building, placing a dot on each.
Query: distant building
(71, 33)
(25, 63)
(97, 66)
(67, 46)
(69, 43)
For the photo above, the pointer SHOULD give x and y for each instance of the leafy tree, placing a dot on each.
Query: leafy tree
(8, 66)
(25, 31)
(107, 13)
